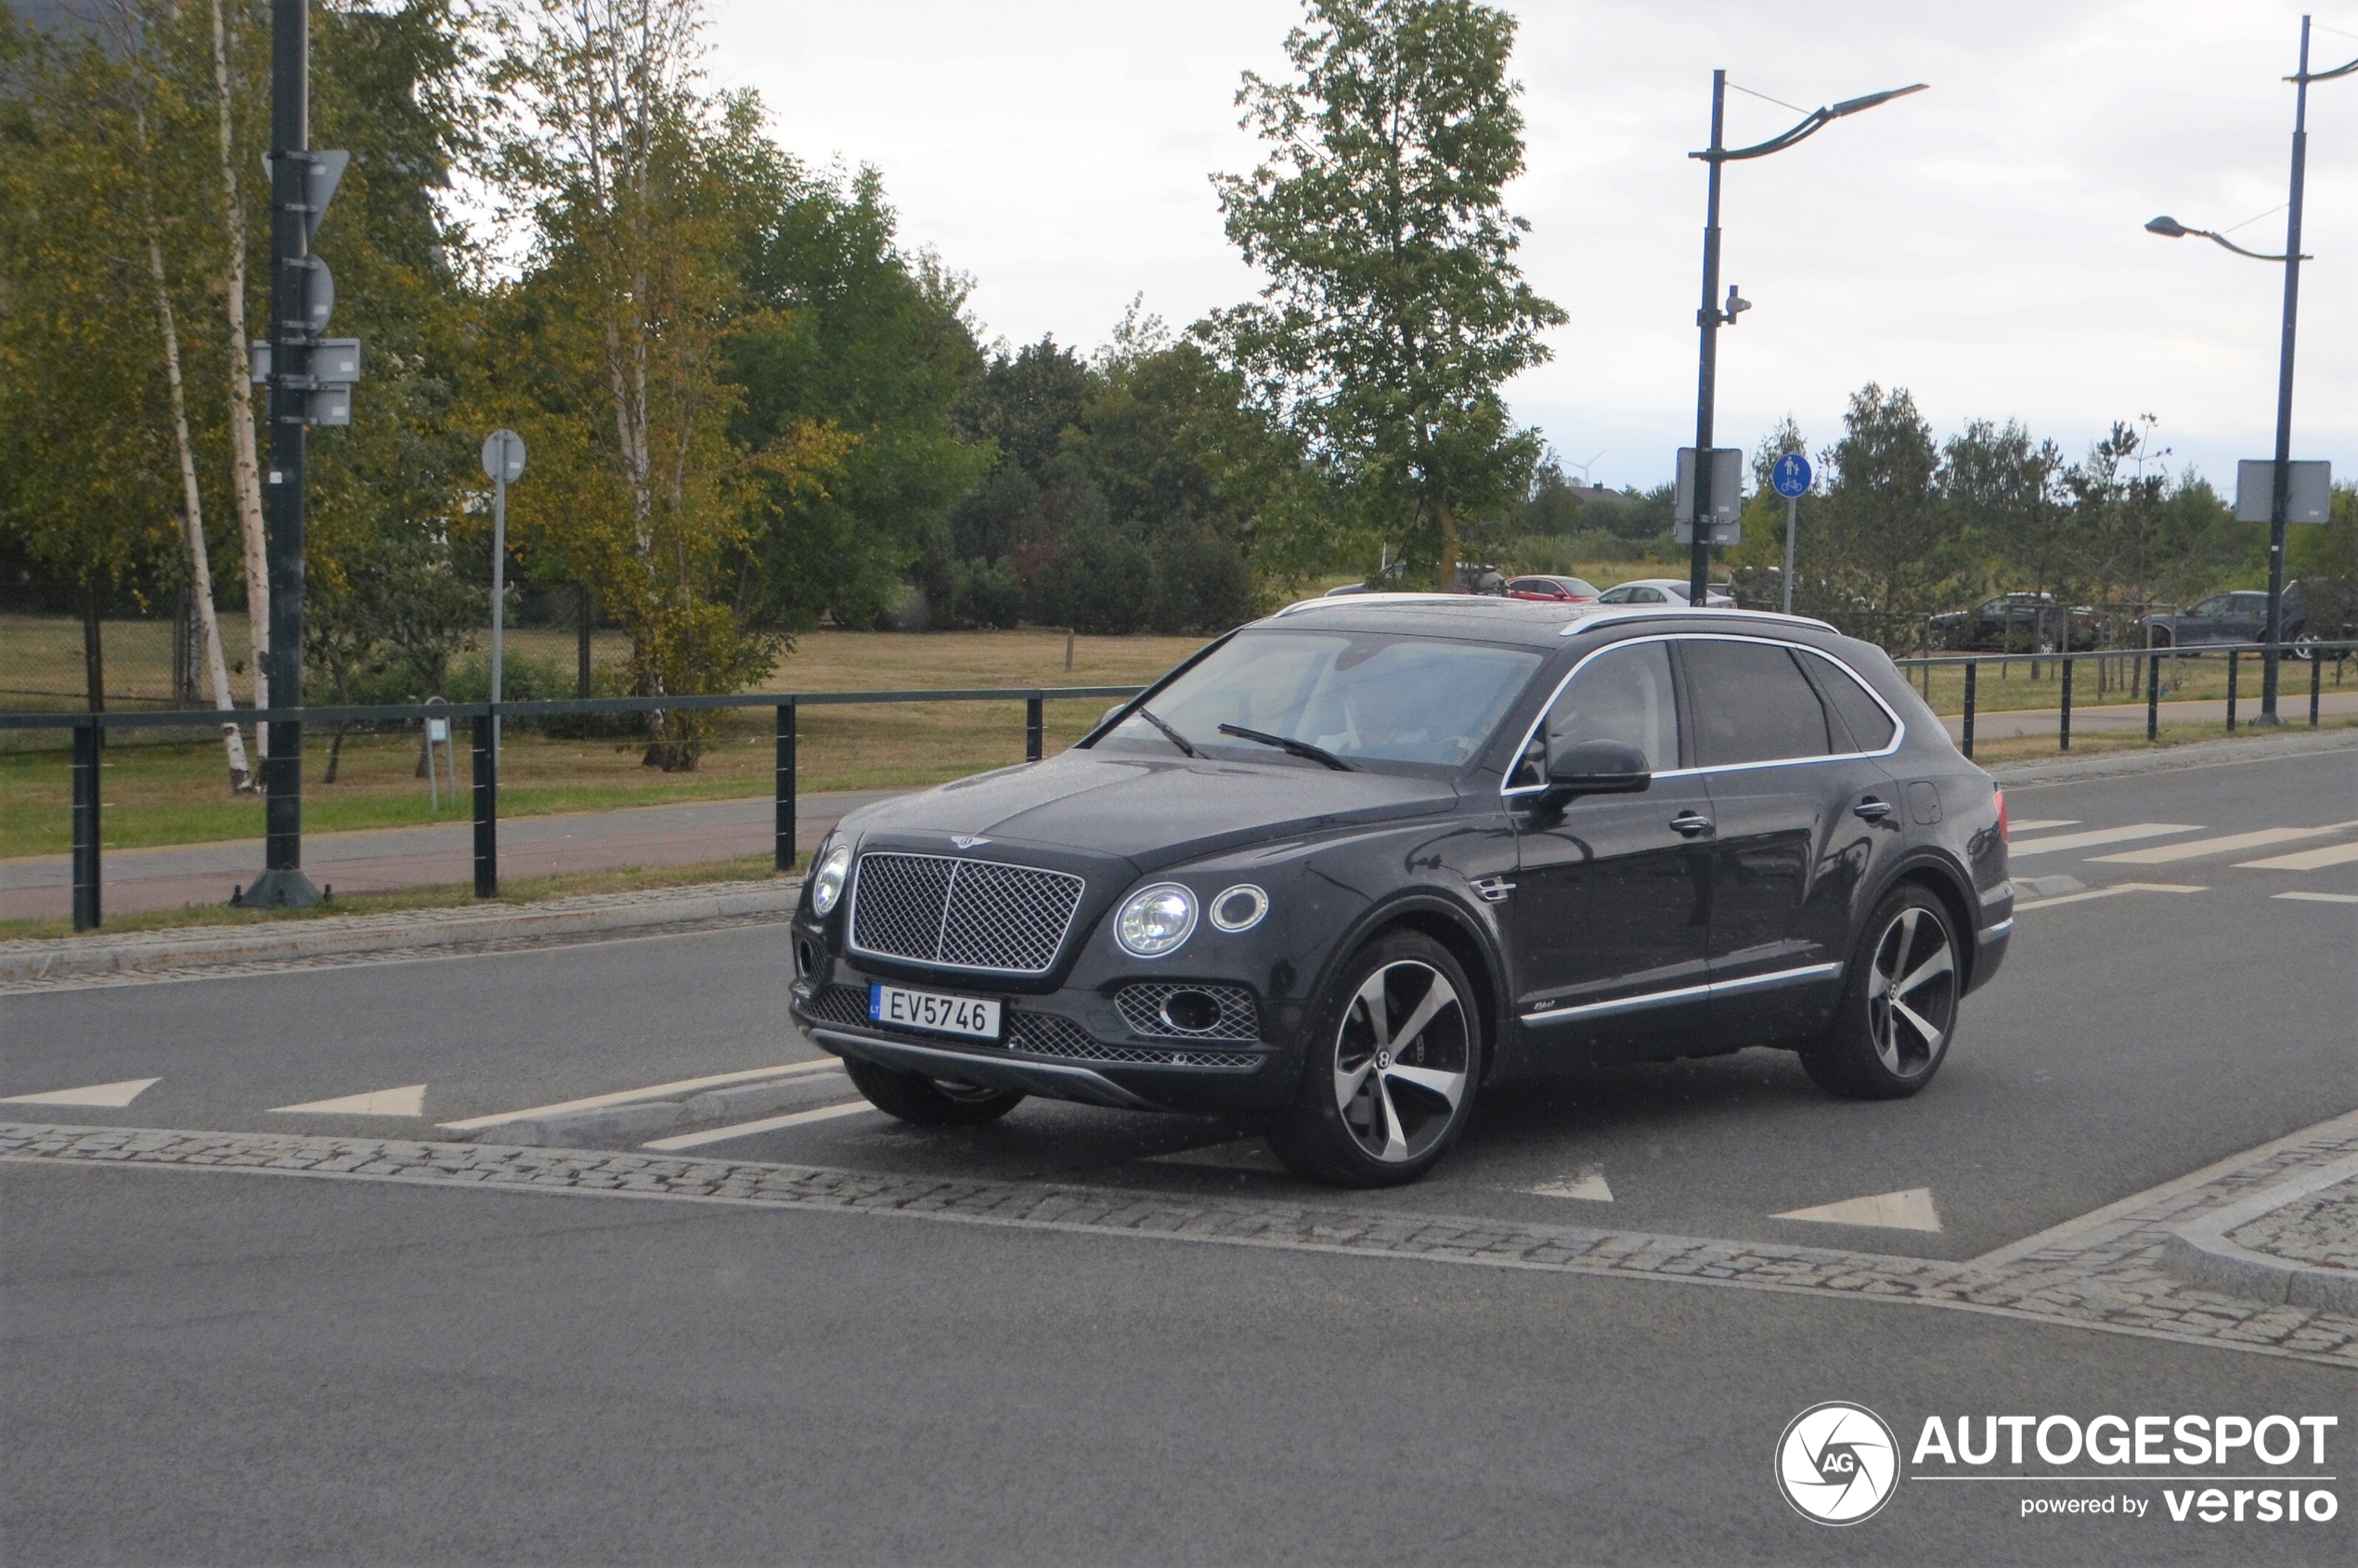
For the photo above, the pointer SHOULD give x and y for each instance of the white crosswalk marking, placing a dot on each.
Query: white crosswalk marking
(2095, 837)
(2190, 850)
(2322, 897)
(2041, 824)
(2306, 860)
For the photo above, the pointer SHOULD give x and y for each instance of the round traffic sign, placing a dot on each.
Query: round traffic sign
(503, 456)
(1791, 476)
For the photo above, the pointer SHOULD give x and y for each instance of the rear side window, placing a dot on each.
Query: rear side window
(1870, 728)
(1622, 695)
(1751, 704)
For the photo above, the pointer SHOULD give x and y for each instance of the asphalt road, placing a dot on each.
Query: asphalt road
(219, 1368)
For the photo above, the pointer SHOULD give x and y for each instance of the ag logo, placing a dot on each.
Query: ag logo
(1837, 1463)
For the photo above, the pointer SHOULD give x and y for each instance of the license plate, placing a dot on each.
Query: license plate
(897, 1007)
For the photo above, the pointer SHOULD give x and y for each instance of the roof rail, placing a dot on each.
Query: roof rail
(1347, 599)
(1655, 612)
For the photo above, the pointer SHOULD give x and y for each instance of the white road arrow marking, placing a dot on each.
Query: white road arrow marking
(407, 1101)
(1244, 1154)
(114, 1096)
(1911, 1210)
(767, 1124)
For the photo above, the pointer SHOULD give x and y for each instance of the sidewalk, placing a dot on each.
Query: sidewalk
(2113, 719)
(405, 857)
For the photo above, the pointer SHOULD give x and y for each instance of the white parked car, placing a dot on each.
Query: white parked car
(1661, 590)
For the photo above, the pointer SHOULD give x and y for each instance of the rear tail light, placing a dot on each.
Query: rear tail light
(2004, 835)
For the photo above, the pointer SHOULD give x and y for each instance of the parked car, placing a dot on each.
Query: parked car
(2015, 623)
(1554, 590)
(1663, 590)
(2241, 615)
(1356, 865)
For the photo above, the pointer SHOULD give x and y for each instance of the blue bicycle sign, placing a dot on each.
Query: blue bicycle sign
(1791, 476)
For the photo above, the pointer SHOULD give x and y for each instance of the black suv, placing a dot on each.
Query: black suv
(2015, 623)
(1351, 865)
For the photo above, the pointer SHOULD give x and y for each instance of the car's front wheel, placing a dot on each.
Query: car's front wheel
(928, 1102)
(1899, 1010)
(1396, 1053)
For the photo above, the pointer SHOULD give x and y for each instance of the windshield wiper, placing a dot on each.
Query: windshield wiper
(1174, 736)
(1300, 748)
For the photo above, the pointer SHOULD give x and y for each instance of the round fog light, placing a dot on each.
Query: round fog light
(1240, 908)
(1190, 1012)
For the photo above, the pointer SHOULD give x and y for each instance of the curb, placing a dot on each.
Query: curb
(73, 958)
(2167, 758)
(2201, 1253)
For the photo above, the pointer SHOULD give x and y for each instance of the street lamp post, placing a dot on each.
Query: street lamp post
(1712, 316)
(2171, 228)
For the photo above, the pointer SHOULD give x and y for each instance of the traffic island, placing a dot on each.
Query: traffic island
(2294, 1242)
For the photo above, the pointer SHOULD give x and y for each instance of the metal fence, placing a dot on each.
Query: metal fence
(89, 730)
(2153, 659)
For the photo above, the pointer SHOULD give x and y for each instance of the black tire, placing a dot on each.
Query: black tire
(928, 1102)
(1374, 1109)
(1903, 987)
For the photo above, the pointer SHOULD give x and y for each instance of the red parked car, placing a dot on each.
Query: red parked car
(1561, 590)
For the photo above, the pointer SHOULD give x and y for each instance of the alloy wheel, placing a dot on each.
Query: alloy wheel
(1402, 1054)
(1911, 993)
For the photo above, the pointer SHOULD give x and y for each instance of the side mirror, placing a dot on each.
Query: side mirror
(1597, 768)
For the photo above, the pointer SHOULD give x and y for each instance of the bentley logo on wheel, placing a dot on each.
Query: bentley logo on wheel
(1837, 1463)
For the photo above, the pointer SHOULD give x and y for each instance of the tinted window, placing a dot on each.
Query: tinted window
(1624, 694)
(1648, 596)
(1752, 704)
(2214, 605)
(1870, 728)
(2248, 603)
(1363, 695)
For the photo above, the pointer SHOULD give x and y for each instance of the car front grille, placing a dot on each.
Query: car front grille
(1035, 1034)
(962, 914)
(1141, 1006)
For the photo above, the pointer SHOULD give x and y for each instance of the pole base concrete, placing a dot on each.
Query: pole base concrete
(279, 889)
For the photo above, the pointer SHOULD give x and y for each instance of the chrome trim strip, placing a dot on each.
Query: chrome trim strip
(852, 912)
(1683, 993)
(1898, 731)
(1998, 930)
(1052, 1079)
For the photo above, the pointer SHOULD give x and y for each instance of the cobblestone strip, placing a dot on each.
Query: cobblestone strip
(2321, 1228)
(2110, 1279)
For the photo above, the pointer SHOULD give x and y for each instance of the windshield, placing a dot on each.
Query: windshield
(1364, 696)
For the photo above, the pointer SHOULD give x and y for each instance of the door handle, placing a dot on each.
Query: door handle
(1691, 823)
(1872, 810)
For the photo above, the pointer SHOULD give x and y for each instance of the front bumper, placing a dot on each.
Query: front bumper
(1070, 1044)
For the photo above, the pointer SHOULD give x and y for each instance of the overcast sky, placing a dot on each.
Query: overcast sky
(1980, 244)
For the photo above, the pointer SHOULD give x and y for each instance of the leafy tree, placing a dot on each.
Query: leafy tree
(1395, 309)
(1886, 535)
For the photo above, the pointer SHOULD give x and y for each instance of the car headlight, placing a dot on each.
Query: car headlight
(1156, 920)
(826, 883)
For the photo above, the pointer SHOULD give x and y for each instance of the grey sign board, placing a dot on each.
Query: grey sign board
(2308, 499)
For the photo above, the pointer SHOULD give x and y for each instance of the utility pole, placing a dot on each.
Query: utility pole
(1713, 314)
(2273, 636)
(310, 379)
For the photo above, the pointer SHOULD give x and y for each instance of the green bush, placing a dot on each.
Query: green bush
(1203, 585)
(1100, 581)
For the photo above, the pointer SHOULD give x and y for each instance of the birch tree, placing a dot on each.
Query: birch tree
(246, 478)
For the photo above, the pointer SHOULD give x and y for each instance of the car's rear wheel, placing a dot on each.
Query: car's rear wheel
(1899, 1010)
(2304, 647)
(928, 1102)
(1395, 1054)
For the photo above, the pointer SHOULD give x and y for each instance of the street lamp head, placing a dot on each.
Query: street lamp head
(1852, 106)
(2168, 227)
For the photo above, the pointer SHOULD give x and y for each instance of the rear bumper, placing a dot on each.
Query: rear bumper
(1990, 950)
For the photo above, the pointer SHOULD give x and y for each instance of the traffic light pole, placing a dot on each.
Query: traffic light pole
(282, 884)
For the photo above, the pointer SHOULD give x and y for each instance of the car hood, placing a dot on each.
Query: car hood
(1149, 812)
